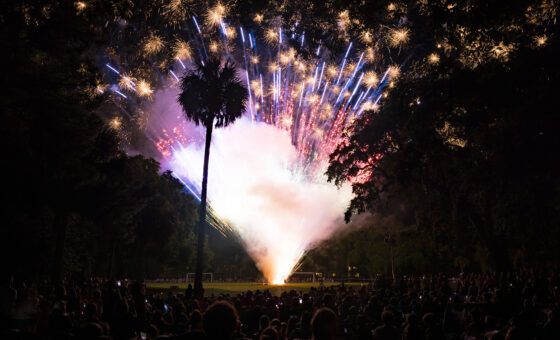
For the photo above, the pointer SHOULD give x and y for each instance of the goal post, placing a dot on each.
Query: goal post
(304, 277)
(206, 277)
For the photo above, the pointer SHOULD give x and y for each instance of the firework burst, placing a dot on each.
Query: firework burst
(399, 37)
(298, 110)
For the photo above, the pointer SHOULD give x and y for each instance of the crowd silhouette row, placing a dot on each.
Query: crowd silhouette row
(470, 306)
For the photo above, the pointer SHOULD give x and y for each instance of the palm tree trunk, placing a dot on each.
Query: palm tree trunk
(198, 290)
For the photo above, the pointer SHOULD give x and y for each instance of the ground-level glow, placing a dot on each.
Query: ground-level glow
(256, 185)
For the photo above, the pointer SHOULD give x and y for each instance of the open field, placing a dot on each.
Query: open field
(238, 287)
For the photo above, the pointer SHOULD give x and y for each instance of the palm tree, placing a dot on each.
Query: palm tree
(211, 95)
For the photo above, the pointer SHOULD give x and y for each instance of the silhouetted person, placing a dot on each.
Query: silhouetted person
(412, 330)
(91, 315)
(292, 325)
(189, 292)
(323, 324)
(303, 330)
(387, 331)
(551, 329)
(220, 320)
(90, 330)
(283, 332)
(264, 322)
(432, 330)
(195, 323)
(60, 323)
(276, 324)
(152, 332)
(269, 333)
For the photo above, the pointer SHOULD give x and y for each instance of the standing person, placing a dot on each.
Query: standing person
(387, 331)
(324, 324)
(220, 321)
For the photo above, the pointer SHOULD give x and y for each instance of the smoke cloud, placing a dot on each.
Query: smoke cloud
(257, 185)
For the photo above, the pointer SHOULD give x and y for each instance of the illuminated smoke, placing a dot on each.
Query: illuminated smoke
(257, 186)
(266, 177)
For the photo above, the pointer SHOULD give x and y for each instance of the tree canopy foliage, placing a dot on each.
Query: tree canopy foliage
(70, 193)
(460, 161)
(466, 140)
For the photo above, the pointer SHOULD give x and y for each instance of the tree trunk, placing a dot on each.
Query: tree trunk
(198, 290)
(112, 262)
(497, 248)
(60, 224)
(392, 264)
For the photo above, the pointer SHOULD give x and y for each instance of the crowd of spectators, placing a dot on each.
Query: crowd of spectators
(469, 306)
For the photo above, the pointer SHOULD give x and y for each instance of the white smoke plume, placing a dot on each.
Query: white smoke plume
(256, 185)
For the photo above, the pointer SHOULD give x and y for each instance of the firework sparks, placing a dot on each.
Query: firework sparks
(370, 54)
(371, 79)
(144, 89)
(258, 18)
(101, 88)
(80, 6)
(433, 58)
(369, 105)
(276, 197)
(115, 123)
(271, 36)
(501, 51)
(366, 37)
(540, 40)
(127, 82)
(215, 15)
(343, 20)
(154, 44)
(175, 11)
(399, 37)
(214, 47)
(394, 71)
(230, 32)
(332, 71)
(182, 50)
(298, 110)
(273, 67)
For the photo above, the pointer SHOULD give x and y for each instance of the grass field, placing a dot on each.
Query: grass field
(238, 287)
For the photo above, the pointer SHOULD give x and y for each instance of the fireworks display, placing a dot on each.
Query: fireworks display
(266, 177)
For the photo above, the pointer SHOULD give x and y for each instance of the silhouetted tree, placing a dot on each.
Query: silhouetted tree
(211, 95)
(71, 196)
(467, 134)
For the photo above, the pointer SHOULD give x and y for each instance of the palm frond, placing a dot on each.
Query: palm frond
(213, 93)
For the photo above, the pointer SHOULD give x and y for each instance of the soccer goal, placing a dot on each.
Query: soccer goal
(206, 277)
(304, 277)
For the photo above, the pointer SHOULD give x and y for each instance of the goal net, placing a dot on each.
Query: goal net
(206, 277)
(304, 277)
